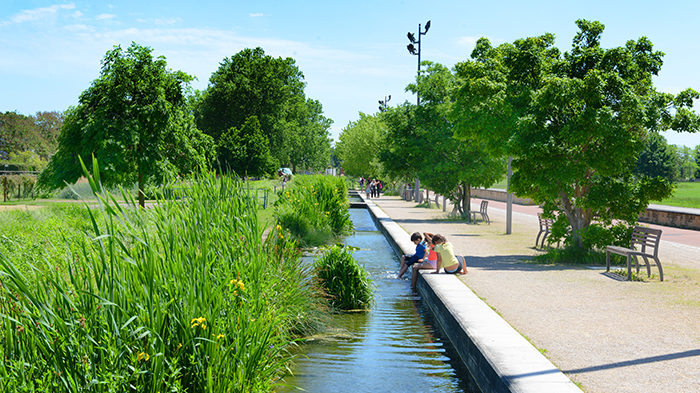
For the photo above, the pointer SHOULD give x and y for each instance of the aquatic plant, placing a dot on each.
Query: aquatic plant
(346, 282)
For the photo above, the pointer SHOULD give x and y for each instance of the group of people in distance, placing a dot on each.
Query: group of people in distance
(374, 187)
(434, 252)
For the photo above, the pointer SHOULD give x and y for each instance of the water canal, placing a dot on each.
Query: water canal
(395, 347)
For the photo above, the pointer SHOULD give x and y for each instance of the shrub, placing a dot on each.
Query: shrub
(314, 209)
(346, 282)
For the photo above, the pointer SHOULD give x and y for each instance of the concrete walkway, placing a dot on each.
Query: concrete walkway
(607, 335)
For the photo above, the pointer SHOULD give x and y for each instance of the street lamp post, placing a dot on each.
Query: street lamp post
(384, 104)
(412, 49)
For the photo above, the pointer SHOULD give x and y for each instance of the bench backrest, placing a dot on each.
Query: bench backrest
(544, 222)
(484, 206)
(646, 237)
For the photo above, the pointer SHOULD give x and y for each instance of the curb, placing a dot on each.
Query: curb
(497, 356)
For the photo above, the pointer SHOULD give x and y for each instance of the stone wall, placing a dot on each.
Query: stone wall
(670, 217)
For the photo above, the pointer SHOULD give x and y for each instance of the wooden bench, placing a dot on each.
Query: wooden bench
(545, 228)
(483, 211)
(648, 241)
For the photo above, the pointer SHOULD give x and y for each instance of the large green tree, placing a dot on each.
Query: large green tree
(309, 141)
(358, 147)
(251, 83)
(574, 124)
(133, 119)
(657, 159)
(424, 141)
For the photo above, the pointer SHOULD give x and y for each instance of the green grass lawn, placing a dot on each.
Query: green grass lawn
(686, 195)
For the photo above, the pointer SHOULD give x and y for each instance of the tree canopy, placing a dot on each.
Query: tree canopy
(36, 134)
(245, 151)
(358, 147)
(133, 119)
(574, 124)
(251, 83)
(422, 142)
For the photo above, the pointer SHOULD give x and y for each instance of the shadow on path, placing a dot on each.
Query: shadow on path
(651, 359)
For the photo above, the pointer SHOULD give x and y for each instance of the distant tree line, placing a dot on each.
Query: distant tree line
(27, 142)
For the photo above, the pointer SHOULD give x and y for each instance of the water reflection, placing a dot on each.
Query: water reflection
(392, 348)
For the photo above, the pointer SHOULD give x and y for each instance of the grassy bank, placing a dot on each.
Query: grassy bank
(184, 296)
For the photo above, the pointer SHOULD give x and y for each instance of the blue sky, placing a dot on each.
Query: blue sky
(352, 53)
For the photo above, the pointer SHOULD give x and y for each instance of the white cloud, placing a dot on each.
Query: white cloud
(167, 21)
(105, 16)
(40, 13)
(467, 41)
(256, 15)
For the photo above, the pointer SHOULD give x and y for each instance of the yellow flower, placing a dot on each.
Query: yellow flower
(198, 321)
(279, 227)
(220, 336)
(142, 356)
(235, 293)
(241, 285)
(281, 236)
(179, 345)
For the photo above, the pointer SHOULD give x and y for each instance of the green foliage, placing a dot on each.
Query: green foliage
(314, 209)
(359, 146)
(20, 133)
(246, 152)
(19, 186)
(572, 255)
(251, 83)
(309, 141)
(446, 165)
(133, 119)
(574, 124)
(179, 297)
(657, 159)
(27, 161)
(346, 282)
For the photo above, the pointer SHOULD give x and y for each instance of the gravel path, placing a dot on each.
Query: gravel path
(606, 334)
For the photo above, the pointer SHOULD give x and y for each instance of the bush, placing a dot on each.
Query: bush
(346, 282)
(314, 209)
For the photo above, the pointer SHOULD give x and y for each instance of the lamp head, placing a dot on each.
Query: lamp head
(411, 37)
(411, 49)
(427, 27)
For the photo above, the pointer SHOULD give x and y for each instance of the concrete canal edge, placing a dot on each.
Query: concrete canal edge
(499, 358)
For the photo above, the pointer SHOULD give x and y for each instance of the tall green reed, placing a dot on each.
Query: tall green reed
(183, 296)
(314, 209)
(346, 282)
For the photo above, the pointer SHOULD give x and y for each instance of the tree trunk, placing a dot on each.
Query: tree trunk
(466, 201)
(579, 219)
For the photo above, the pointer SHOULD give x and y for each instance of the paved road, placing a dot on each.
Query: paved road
(606, 334)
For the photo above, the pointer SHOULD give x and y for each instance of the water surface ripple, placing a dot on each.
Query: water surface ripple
(392, 348)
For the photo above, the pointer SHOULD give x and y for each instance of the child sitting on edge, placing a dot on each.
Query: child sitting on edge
(430, 263)
(408, 260)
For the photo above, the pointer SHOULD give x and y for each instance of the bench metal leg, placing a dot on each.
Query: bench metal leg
(544, 238)
(661, 270)
(629, 267)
